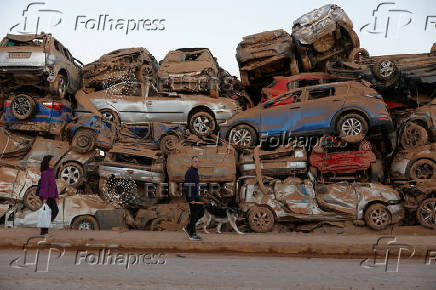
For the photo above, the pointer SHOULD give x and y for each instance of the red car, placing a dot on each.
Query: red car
(345, 164)
(281, 85)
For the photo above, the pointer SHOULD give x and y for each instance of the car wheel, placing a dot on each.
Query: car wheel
(85, 223)
(169, 143)
(202, 123)
(358, 54)
(385, 69)
(31, 200)
(260, 219)
(23, 106)
(422, 169)
(72, 173)
(377, 217)
(426, 213)
(352, 124)
(243, 136)
(110, 116)
(84, 140)
(60, 86)
(413, 136)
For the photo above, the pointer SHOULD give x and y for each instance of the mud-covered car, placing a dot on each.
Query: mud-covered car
(420, 201)
(20, 176)
(298, 201)
(415, 164)
(25, 112)
(281, 85)
(39, 60)
(189, 70)
(78, 212)
(132, 102)
(323, 34)
(217, 167)
(132, 175)
(342, 108)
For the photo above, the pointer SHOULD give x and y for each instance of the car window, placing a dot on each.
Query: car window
(290, 98)
(319, 93)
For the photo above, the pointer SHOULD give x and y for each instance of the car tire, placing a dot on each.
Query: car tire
(413, 135)
(31, 200)
(385, 70)
(111, 116)
(426, 213)
(357, 54)
(23, 106)
(169, 143)
(352, 124)
(239, 138)
(83, 140)
(377, 217)
(202, 123)
(60, 86)
(72, 173)
(85, 223)
(422, 169)
(260, 219)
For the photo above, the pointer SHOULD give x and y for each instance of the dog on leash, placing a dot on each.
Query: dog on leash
(221, 215)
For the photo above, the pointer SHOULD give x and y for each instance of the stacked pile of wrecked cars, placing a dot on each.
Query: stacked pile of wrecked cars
(316, 132)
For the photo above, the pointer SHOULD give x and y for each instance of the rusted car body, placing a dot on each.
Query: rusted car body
(417, 164)
(19, 177)
(295, 200)
(130, 102)
(217, 166)
(264, 55)
(279, 163)
(343, 108)
(420, 201)
(132, 175)
(38, 60)
(323, 34)
(79, 212)
(189, 70)
(129, 64)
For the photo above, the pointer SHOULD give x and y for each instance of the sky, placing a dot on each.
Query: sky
(394, 27)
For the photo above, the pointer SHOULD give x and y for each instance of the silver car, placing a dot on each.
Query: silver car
(133, 102)
(36, 60)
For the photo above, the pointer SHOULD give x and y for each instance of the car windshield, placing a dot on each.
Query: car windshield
(10, 42)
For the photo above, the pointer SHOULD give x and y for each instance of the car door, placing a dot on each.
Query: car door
(167, 108)
(318, 110)
(127, 99)
(281, 119)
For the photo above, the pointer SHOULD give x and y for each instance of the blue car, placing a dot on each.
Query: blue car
(343, 108)
(25, 113)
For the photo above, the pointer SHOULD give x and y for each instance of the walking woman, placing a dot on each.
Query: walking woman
(48, 191)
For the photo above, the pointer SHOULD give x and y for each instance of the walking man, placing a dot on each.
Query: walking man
(192, 193)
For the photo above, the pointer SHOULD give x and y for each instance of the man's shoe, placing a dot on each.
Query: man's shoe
(194, 237)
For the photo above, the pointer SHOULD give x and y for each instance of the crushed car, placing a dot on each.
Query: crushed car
(189, 70)
(342, 108)
(420, 201)
(133, 102)
(302, 201)
(41, 61)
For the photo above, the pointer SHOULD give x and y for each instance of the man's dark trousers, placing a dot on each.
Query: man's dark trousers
(197, 212)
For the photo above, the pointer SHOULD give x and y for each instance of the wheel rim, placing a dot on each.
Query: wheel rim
(424, 170)
(202, 124)
(108, 116)
(428, 212)
(62, 86)
(71, 175)
(386, 68)
(170, 143)
(22, 106)
(83, 141)
(352, 126)
(379, 217)
(413, 136)
(85, 226)
(261, 219)
(241, 137)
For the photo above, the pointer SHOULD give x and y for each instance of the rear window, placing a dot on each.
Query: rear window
(321, 93)
(10, 42)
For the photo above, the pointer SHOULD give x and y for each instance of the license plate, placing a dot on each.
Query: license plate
(19, 54)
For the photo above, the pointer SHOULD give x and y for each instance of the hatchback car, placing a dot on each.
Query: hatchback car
(343, 108)
(39, 60)
(132, 102)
